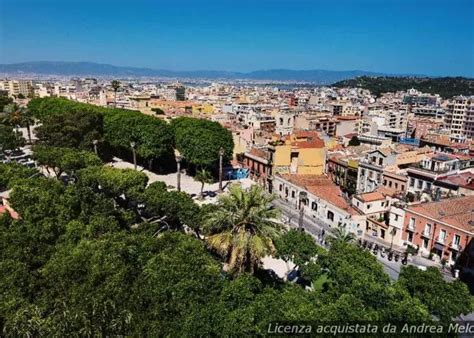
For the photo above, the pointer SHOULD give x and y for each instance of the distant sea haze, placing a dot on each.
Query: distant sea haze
(316, 76)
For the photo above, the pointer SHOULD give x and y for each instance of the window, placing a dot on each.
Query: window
(412, 182)
(390, 184)
(403, 187)
(330, 215)
(428, 185)
(396, 217)
(427, 229)
(281, 187)
(396, 185)
(410, 237)
(442, 236)
(382, 204)
(286, 192)
(368, 206)
(457, 240)
(382, 233)
(380, 161)
(385, 182)
(412, 223)
(314, 206)
(425, 243)
(293, 194)
(420, 184)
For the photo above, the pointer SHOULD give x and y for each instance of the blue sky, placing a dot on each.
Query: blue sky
(433, 37)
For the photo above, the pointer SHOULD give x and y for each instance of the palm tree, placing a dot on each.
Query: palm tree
(17, 116)
(342, 235)
(203, 176)
(243, 228)
(115, 86)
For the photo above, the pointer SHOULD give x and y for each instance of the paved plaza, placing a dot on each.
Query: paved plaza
(188, 184)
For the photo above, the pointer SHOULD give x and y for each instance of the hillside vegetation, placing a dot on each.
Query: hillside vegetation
(446, 87)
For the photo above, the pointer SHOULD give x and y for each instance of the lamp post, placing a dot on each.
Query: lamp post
(178, 177)
(302, 198)
(133, 145)
(221, 156)
(94, 142)
(393, 233)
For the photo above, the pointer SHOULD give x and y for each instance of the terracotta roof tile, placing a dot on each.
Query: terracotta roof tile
(322, 187)
(456, 211)
(371, 196)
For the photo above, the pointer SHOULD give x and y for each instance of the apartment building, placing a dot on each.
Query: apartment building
(422, 175)
(342, 170)
(317, 121)
(285, 122)
(258, 161)
(429, 111)
(323, 200)
(459, 117)
(371, 167)
(17, 87)
(376, 206)
(444, 228)
(302, 152)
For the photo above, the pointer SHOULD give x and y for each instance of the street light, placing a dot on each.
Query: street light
(393, 233)
(133, 145)
(94, 142)
(221, 155)
(178, 177)
(302, 197)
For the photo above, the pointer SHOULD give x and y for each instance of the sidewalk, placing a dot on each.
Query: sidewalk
(314, 226)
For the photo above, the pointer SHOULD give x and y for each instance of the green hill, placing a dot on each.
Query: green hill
(446, 87)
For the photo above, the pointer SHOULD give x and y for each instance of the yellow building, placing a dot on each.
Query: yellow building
(300, 153)
(204, 108)
(182, 107)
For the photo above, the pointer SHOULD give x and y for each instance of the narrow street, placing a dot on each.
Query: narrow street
(315, 226)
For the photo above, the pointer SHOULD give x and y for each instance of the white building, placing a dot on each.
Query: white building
(459, 117)
(324, 201)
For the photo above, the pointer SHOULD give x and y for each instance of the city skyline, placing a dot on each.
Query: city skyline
(431, 38)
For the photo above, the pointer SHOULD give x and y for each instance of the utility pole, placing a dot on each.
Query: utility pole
(221, 155)
(94, 142)
(178, 177)
(133, 145)
(302, 198)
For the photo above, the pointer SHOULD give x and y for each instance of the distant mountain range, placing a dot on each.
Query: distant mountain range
(317, 76)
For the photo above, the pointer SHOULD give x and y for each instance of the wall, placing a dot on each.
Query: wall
(436, 227)
(311, 161)
(354, 223)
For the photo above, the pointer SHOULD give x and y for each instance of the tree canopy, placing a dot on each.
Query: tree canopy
(199, 141)
(10, 139)
(64, 160)
(354, 141)
(73, 124)
(446, 87)
(153, 137)
(72, 129)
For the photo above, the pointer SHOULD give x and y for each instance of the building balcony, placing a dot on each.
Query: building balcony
(370, 165)
(440, 240)
(437, 171)
(411, 227)
(426, 233)
(419, 171)
(455, 246)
